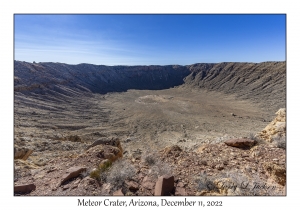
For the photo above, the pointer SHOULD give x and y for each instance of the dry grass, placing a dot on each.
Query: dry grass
(119, 172)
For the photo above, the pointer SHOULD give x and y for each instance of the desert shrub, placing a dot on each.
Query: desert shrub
(205, 182)
(150, 159)
(95, 174)
(119, 172)
(160, 168)
(99, 172)
(280, 142)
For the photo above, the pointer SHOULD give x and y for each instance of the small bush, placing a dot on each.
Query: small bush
(99, 172)
(95, 174)
(150, 159)
(205, 183)
(105, 165)
(160, 168)
(119, 172)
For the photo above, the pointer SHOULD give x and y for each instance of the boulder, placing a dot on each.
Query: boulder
(240, 143)
(26, 188)
(164, 185)
(72, 173)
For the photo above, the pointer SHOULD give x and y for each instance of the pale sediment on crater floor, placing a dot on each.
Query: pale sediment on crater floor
(154, 99)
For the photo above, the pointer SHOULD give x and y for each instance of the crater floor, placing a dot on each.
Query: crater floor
(143, 119)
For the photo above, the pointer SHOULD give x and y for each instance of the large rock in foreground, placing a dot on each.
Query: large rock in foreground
(26, 188)
(240, 143)
(164, 185)
(72, 173)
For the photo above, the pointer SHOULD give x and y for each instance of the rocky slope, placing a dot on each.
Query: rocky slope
(183, 114)
(213, 169)
(255, 81)
(69, 79)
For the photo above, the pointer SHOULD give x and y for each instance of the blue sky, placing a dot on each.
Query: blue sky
(149, 39)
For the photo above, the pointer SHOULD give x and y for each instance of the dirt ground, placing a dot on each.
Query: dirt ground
(142, 119)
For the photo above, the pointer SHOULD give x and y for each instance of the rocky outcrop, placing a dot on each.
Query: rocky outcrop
(276, 129)
(255, 81)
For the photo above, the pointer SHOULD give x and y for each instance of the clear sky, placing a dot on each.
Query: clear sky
(149, 39)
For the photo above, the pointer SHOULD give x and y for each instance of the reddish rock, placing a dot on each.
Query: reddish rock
(72, 173)
(24, 188)
(240, 143)
(164, 185)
